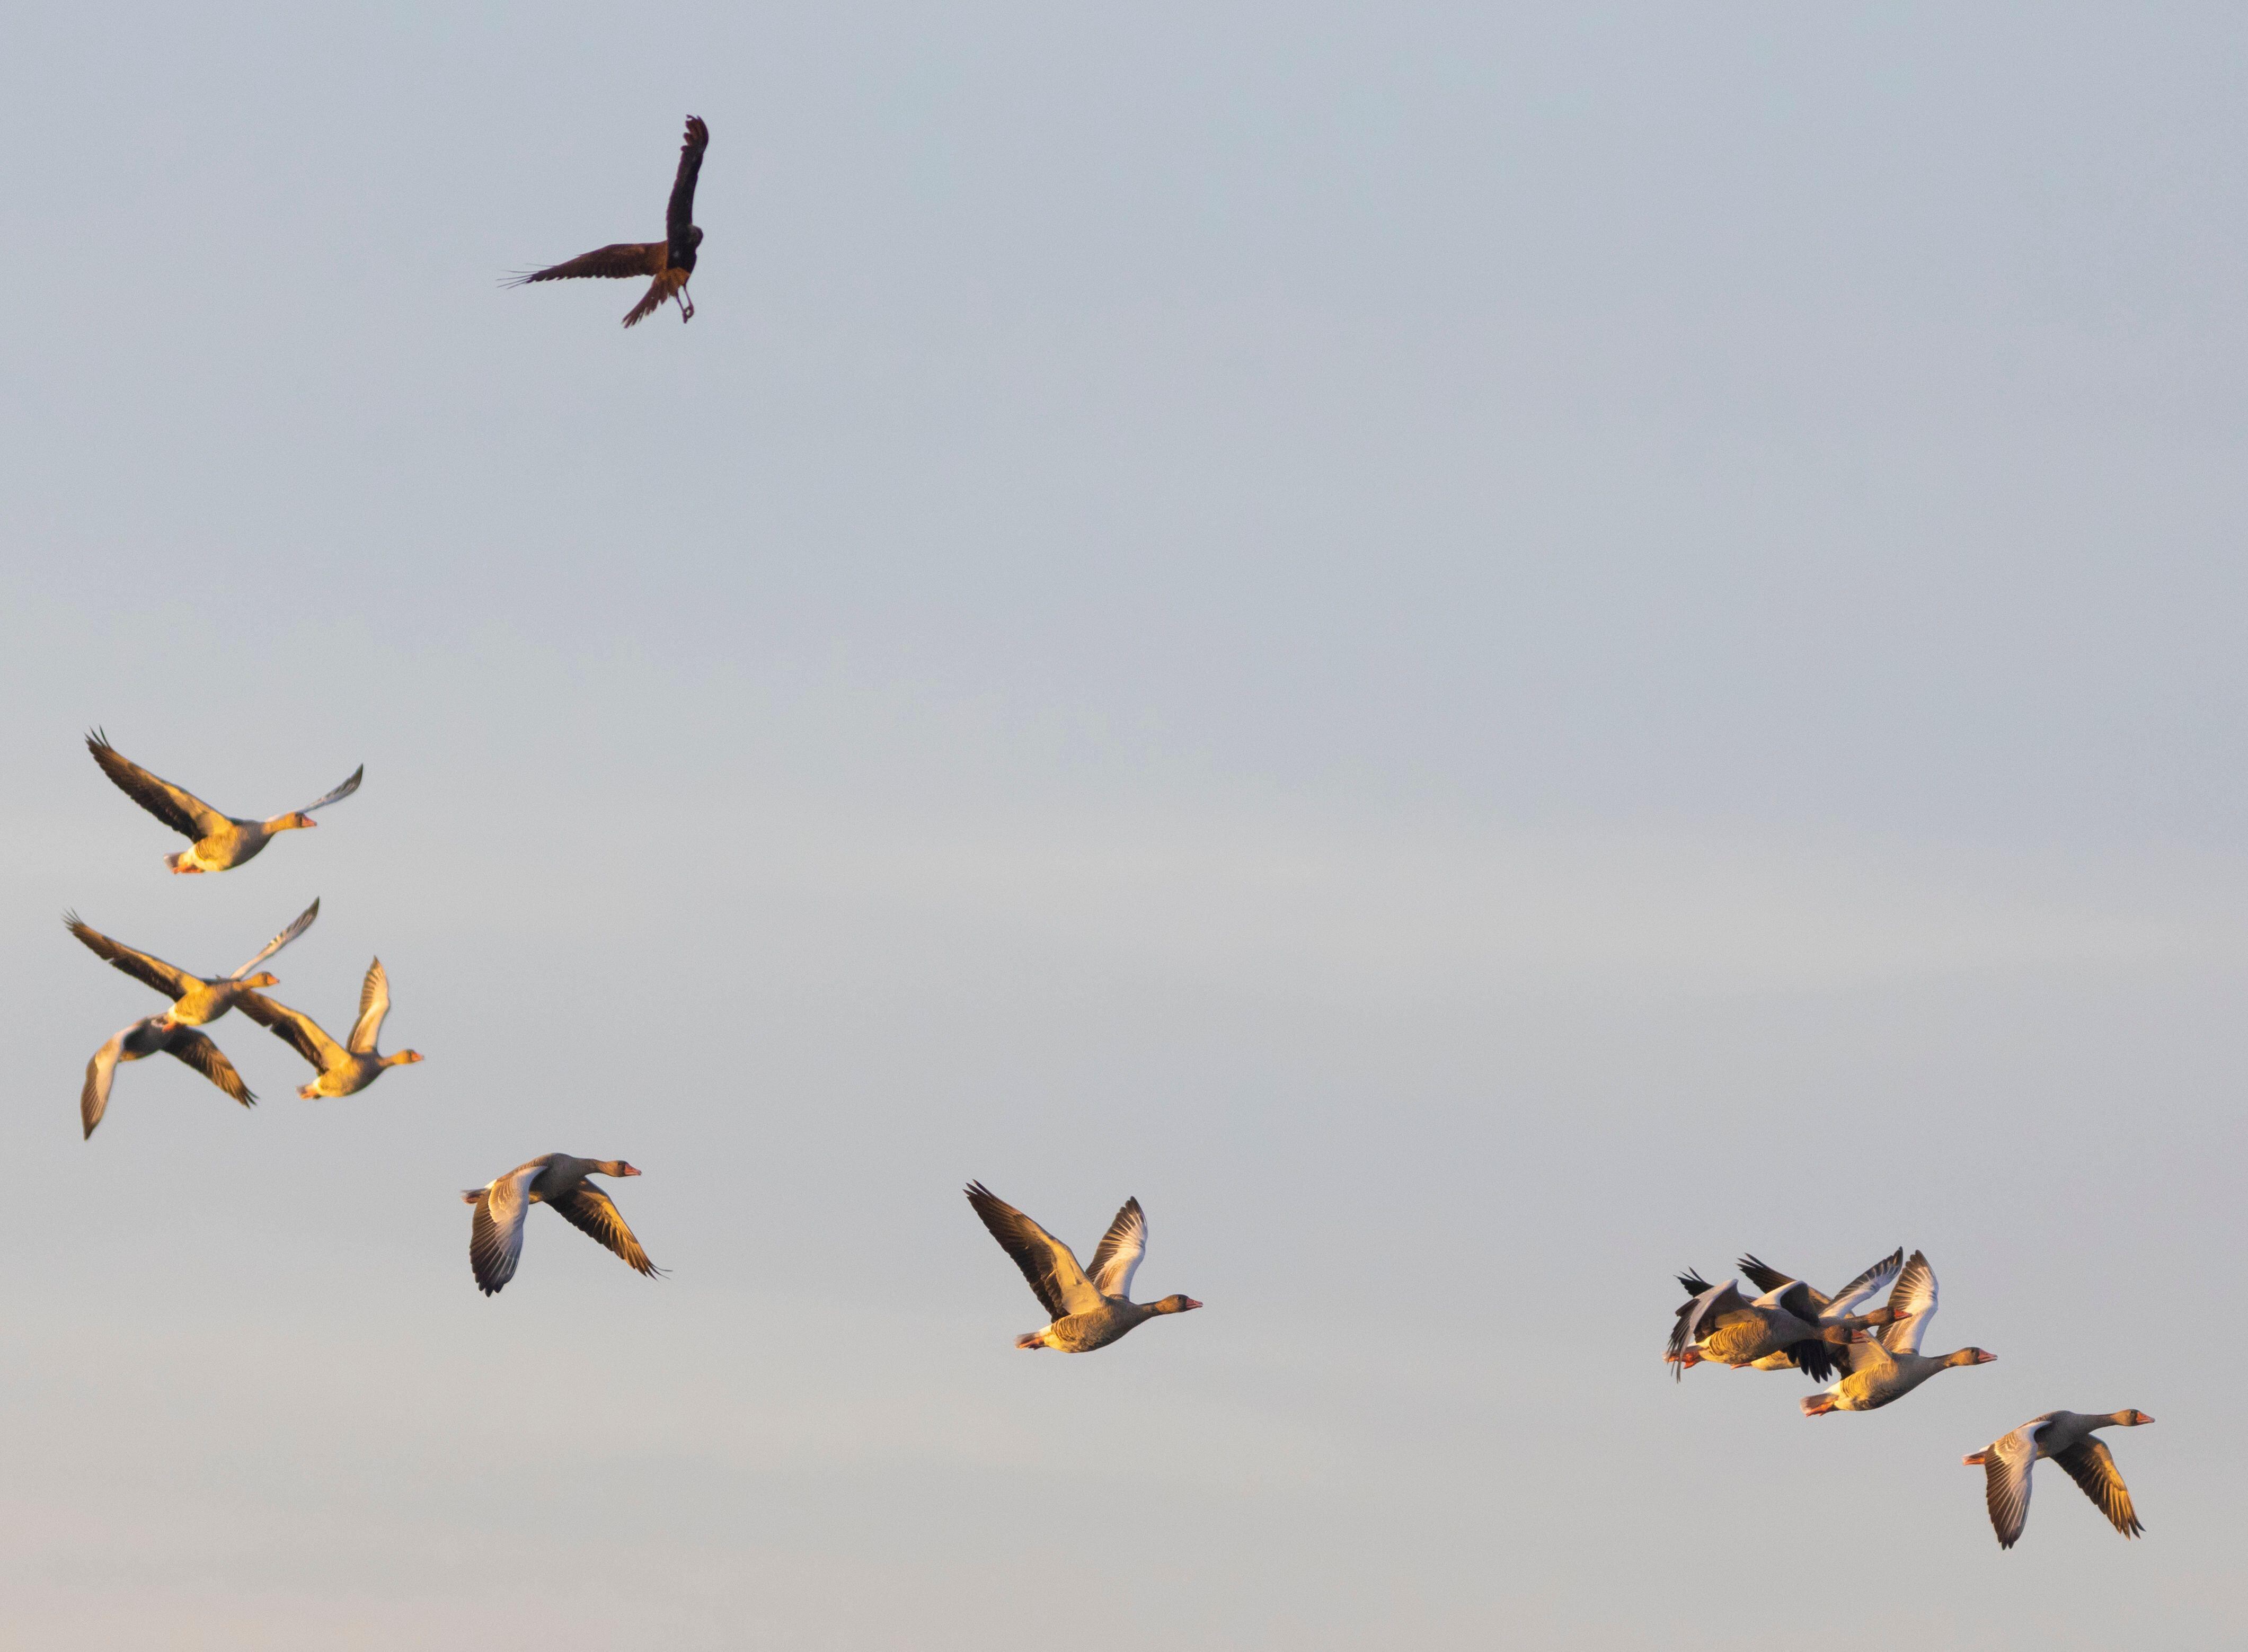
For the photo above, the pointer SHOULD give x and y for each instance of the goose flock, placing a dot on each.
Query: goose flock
(1089, 1308)
(1794, 1326)
(1866, 1356)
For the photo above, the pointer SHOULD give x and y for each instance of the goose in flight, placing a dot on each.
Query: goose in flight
(1764, 1277)
(670, 261)
(555, 1179)
(2065, 1436)
(1091, 1308)
(219, 841)
(1890, 1365)
(198, 1000)
(1789, 1324)
(343, 1068)
(157, 1035)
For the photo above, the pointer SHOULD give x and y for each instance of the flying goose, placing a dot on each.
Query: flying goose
(2065, 1436)
(556, 1179)
(670, 261)
(1789, 1324)
(1090, 1311)
(1764, 1277)
(220, 841)
(1890, 1365)
(345, 1069)
(200, 1000)
(156, 1035)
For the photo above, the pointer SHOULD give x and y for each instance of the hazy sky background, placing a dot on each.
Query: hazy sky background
(1486, 655)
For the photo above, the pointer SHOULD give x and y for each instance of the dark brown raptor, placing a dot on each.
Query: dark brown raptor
(670, 261)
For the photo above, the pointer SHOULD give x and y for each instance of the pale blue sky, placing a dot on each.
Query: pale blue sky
(1485, 656)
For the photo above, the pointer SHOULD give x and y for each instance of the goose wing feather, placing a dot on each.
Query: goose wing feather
(1765, 1277)
(1050, 1266)
(297, 927)
(94, 1096)
(496, 1232)
(340, 793)
(590, 1209)
(166, 978)
(182, 811)
(1913, 1300)
(2091, 1465)
(1116, 1258)
(1879, 1277)
(2006, 1468)
(373, 1005)
(294, 1028)
(206, 1057)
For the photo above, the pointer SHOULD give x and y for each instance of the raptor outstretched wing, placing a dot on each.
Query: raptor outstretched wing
(620, 261)
(679, 217)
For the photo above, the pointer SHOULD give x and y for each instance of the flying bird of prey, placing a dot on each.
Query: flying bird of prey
(670, 261)
(198, 1000)
(220, 841)
(1091, 1307)
(157, 1035)
(554, 1179)
(346, 1068)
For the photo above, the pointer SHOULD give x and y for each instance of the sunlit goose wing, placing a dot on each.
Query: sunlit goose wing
(374, 1004)
(2091, 1466)
(495, 1235)
(1879, 1277)
(1765, 1277)
(340, 793)
(206, 1057)
(2006, 1468)
(294, 1028)
(303, 922)
(1116, 1258)
(589, 1210)
(1795, 1298)
(168, 979)
(1914, 1302)
(1051, 1267)
(1712, 1303)
(94, 1096)
(182, 811)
